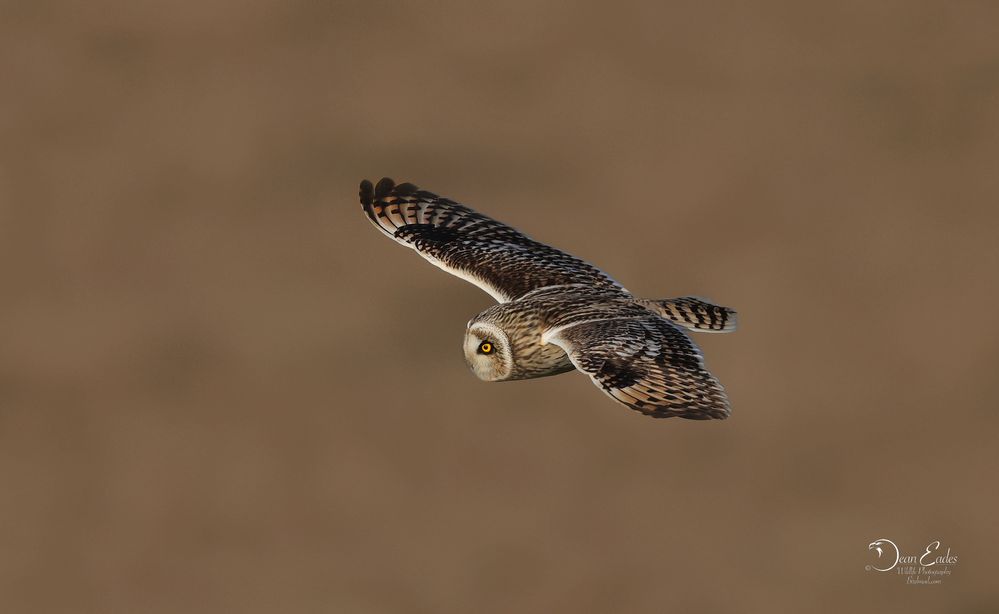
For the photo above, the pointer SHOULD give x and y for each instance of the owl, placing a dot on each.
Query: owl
(556, 313)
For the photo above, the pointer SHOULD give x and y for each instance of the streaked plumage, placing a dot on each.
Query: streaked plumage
(557, 312)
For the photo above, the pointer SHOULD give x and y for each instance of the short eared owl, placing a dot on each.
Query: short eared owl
(557, 312)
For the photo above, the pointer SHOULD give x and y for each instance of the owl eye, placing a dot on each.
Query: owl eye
(485, 347)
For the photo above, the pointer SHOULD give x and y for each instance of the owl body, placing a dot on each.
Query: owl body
(557, 313)
(514, 331)
(517, 330)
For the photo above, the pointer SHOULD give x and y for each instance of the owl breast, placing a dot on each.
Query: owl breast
(540, 361)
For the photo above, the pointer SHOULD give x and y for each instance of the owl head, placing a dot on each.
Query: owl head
(488, 351)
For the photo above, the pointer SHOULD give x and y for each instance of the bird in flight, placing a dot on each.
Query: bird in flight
(555, 312)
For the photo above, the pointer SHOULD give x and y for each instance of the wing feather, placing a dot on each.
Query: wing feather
(491, 255)
(646, 363)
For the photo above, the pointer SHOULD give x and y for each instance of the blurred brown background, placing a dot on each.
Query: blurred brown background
(222, 391)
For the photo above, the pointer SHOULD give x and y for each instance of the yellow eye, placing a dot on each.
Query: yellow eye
(485, 347)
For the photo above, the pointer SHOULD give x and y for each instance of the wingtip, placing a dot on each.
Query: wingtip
(384, 187)
(367, 193)
(405, 189)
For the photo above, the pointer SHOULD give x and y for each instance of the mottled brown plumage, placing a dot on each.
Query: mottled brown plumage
(558, 312)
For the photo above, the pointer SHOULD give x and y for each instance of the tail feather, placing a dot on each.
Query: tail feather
(694, 314)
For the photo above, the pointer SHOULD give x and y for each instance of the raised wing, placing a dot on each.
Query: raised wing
(646, 363)
(490, 254)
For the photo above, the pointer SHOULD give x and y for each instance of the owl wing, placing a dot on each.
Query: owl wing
(490, 254)
(646, 363)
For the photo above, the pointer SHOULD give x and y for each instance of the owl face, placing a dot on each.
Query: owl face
(488, 352)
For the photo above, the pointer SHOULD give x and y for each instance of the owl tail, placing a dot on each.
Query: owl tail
(694, 314)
